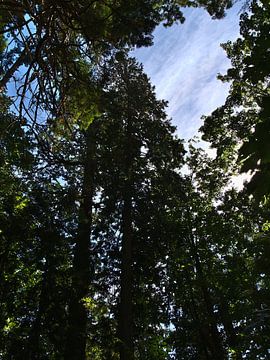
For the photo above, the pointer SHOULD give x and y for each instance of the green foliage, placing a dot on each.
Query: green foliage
(64, 38)
(244, 118)
(214, 273)
(199, 251)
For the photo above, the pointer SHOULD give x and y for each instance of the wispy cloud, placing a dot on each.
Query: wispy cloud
(183, 65)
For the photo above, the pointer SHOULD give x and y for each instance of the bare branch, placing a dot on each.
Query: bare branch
(14, 67)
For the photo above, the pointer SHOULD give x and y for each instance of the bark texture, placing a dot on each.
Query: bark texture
(77, 326)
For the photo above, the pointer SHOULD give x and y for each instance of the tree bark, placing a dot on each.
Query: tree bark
(77, 323)
(231, 335)
(125, 324)
(202, 337)
(214, 339)
(125, 311)
(215, 343)
(14, 67)
(49, 240)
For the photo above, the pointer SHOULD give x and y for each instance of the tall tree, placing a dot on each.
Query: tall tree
(212, 268)
(137, 154)
(34, 254)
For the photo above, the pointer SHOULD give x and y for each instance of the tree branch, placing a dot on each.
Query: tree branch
(8, 75)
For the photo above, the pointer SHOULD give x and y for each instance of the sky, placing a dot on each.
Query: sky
(183, 65)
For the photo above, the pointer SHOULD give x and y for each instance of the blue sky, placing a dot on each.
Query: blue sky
(184, 62)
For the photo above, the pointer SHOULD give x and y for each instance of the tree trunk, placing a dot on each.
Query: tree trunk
(195, 314)
(125, 311)
(77, 323)
(232, 339)
(214, 339)
(125, 324)
(49, 239)
(215, 342)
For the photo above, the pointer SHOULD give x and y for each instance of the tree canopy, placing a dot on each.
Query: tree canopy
(245, 115)
(52, 46)
(117, 240)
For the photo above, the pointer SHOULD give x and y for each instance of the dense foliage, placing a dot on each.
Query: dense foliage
(108, 248)
(244, 118)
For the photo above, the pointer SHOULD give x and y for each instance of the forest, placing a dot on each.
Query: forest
(118, 240)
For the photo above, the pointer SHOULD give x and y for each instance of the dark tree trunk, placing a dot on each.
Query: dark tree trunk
(125, 311)
(125, 323)
(214, 340)
(231, 335)
(206, 355)
(33, 350)
(77, 323)
(49, 239)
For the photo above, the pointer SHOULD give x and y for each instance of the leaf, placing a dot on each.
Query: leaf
(21, 202)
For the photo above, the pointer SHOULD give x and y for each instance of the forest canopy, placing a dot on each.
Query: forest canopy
(118, 241)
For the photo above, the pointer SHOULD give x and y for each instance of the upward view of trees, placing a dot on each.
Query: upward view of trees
(117, 241)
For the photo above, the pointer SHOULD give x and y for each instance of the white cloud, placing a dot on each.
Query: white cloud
(183, 64)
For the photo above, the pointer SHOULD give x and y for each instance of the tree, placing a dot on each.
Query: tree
(48, 42)
(34, 252)
(109, 252)
(213, 271)
(94, 185)
(243, 119)
(139, 153)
